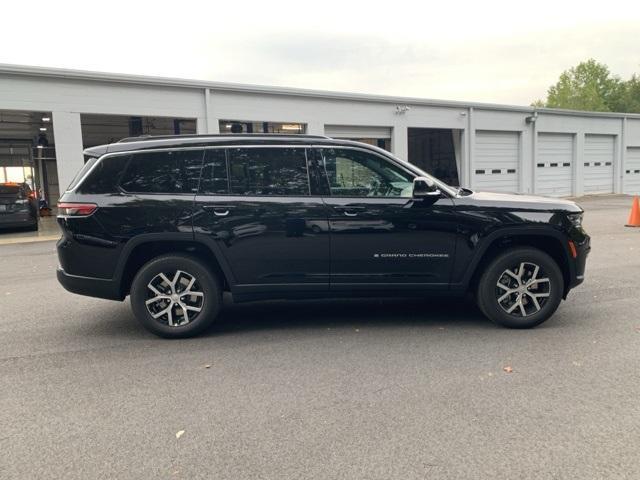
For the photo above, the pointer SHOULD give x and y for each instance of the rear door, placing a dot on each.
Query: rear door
(255, 204)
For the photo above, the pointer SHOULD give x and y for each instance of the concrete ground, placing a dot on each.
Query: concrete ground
(408, 389)
(47, 230)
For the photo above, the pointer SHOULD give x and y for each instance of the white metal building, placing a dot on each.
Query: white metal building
(47, 117)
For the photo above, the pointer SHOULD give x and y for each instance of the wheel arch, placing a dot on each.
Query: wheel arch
(551, 243)
(144, 248)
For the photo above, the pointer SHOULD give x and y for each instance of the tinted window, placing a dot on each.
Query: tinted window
(85, 168)
(215, 179)
(268, 171)
(354, 173)
(104, 178)
(163, 172)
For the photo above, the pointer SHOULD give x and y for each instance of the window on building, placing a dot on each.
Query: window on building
(239, 126)
(354, 173)
(163, 172)
(268, 171)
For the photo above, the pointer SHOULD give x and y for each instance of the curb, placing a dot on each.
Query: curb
(14, 241)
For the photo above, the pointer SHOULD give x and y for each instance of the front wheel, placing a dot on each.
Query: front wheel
(175, 296)
(520, 288)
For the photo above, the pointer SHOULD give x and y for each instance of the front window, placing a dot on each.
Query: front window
(355, 173)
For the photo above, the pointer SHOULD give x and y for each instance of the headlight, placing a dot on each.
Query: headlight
(575, 219)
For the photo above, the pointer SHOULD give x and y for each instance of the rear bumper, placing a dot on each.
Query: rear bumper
(17, 220)
(89, 286)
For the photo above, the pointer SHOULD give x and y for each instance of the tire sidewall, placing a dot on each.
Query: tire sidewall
(487, 300)
(168, 263)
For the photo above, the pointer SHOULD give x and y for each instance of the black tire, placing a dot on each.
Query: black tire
(526, 298)
(205, 282)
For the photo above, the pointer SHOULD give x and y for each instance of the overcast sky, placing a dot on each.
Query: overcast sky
(490, 51)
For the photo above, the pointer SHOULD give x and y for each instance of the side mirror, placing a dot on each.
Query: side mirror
(424, 187)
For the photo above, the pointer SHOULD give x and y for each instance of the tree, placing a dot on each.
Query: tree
(630, 101)
(587, 86)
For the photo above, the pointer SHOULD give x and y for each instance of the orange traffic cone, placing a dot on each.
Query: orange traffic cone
(634, 216)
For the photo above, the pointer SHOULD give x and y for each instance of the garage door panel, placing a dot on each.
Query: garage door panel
(632, 171)
(599, 152)
(554, 165)
(497, 156)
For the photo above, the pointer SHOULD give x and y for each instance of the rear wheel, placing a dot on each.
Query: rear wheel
(520, 288)
(175, 296)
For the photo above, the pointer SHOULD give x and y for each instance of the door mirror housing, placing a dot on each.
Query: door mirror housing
(424, 187)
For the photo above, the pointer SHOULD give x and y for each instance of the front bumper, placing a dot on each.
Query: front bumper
(580, 262)
(89, 286)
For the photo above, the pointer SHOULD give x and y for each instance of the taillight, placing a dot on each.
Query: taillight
(76, 209)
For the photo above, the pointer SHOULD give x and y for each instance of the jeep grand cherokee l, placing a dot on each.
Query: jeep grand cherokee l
(173, 222)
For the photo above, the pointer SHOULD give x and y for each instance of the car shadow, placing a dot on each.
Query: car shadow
(348, 313)
(117, 320)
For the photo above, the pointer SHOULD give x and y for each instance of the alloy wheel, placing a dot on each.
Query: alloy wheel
(174, 299)
(523, 290)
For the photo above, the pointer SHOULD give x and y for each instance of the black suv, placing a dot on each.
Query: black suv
(174, 222)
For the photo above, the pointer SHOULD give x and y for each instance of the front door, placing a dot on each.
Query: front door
(381, 237)
(255, 203)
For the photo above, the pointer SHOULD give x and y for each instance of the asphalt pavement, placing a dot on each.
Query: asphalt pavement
(360, 389)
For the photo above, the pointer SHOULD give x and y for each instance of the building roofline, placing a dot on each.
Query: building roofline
(87, 75)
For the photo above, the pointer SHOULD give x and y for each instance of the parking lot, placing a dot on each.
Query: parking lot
(375, 389)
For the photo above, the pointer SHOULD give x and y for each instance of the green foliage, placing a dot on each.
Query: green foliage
(591, 86)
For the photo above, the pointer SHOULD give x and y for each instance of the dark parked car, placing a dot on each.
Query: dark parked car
(174, 222)
(18, 206)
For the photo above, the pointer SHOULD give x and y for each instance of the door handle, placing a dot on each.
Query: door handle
(218, 210)
(350, 210)
(350, 213)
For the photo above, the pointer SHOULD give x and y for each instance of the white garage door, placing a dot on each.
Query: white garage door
(356, 131)
(496, 161)
(632, 171)
(599, 151)
(554, 164)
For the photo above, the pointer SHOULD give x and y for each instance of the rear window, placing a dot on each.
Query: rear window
(163, 172)
(105, 176)
(268, 171)
(81, 173)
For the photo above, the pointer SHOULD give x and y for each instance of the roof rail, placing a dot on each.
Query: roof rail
(142, 138)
